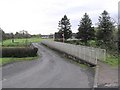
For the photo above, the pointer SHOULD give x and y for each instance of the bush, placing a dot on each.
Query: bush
(19, 52)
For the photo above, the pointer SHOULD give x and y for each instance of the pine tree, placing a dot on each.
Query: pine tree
(85, 31)
(65, 28)
(105, 30)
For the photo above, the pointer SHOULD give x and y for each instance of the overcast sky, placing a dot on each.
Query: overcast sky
(42, 16)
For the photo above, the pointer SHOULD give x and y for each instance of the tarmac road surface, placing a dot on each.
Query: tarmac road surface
(51, 70)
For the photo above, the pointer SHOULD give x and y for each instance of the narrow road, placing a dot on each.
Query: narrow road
(51, 70)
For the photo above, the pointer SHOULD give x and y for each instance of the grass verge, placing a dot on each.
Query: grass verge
(4, 61)
(112, 60)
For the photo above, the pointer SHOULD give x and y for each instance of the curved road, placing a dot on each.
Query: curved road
(51, 70)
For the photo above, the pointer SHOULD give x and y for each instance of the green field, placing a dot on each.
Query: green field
(4, 61)
(19, 42)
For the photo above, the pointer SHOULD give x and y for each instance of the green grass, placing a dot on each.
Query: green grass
(112, 60)
(20, 42)
(4, 61)
(34, 40)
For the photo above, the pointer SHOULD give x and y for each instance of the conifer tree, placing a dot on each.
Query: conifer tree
(65, 28)
(85, 31)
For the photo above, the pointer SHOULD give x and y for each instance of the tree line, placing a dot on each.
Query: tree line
(103, 34)
(20, 34)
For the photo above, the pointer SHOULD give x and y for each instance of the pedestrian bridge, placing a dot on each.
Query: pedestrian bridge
(85, 53)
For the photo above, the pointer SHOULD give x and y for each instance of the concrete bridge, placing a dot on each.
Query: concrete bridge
(87, 54)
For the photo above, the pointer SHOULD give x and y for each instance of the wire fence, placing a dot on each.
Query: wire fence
(88, 54)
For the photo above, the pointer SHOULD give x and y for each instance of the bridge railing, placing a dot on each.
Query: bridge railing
(88, 54)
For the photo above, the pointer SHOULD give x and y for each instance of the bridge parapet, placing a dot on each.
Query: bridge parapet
(88, 54)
